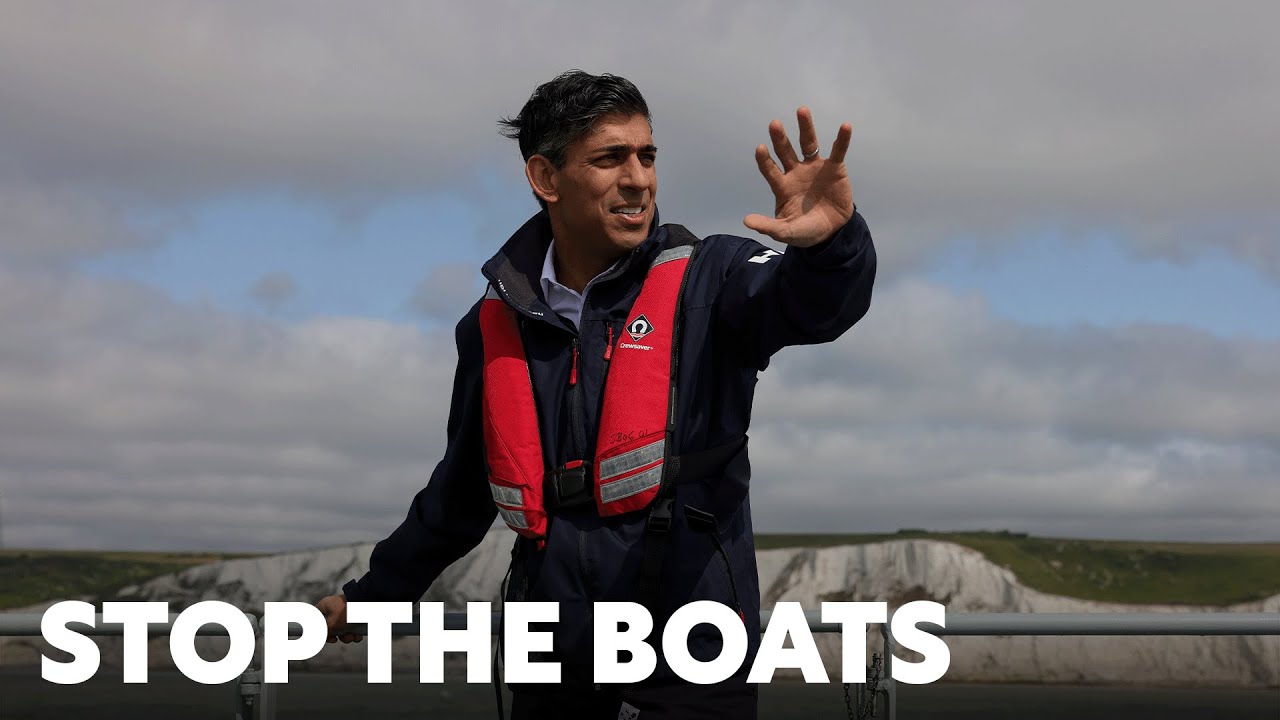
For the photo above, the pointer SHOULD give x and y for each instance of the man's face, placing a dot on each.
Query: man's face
(608, 183)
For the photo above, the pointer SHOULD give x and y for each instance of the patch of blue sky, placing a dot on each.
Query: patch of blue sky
(1048, 280)
(364, 262)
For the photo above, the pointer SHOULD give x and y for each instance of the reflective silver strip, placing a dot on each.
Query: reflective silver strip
(507, 495)
(674, 253)
(491, 294)
(633, 459)
(638, 483)
(514, 518)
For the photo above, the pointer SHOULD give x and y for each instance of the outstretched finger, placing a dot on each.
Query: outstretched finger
(768, 168)
(808, 134)
(782, 146)
(841, 145)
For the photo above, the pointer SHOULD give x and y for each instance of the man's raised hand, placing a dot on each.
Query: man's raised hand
(813, 197)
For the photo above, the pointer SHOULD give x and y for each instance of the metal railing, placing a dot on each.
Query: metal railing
(255, 699)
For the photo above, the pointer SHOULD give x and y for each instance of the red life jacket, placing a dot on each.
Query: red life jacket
(632, 445)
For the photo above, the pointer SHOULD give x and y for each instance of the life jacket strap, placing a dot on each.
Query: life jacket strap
(681, 469)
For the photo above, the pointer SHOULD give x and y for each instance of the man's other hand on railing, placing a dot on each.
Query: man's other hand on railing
(334, 608)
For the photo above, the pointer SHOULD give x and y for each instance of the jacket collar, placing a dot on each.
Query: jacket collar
(515, 271)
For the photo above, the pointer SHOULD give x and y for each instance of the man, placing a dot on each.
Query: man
(604, 388)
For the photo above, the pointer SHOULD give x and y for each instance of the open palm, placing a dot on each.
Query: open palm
(813, 197)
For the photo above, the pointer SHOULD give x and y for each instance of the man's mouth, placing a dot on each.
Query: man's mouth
(631, 216)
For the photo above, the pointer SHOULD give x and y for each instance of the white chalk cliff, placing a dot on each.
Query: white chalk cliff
(897, 571)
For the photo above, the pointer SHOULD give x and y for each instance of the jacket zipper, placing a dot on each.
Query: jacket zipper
(575, 406)
(573, 368)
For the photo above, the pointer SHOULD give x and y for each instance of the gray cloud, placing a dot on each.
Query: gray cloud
(932, 413)
(47, 226)
(273, 289)
(131, 421)
(951, 476)
(924, 354)
(989, 120)
(447, 292)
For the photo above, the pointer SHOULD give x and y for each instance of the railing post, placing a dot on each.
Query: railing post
(248, 690)
(267, 698)
(255, 699)
(888, 689)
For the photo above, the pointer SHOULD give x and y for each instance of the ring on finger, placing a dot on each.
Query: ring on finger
(811, 155)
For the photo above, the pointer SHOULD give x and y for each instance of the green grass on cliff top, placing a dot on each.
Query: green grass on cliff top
(1102, 570)
(28, 577)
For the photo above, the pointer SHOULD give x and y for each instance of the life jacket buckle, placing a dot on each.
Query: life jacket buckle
(567, 486)
(660, 516)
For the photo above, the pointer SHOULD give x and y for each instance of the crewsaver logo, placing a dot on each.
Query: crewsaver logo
(639, 327)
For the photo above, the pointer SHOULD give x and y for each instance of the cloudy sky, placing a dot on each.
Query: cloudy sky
(235, 237)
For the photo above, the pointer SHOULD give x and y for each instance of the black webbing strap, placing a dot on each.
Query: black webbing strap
(657, 537)
(497, 656)
(680, 469)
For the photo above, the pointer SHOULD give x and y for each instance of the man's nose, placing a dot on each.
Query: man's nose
(635, 176)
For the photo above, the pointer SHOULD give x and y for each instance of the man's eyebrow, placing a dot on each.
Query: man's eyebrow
(609, 149)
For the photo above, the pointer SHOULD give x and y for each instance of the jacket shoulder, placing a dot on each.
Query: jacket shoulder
(467, 332)
(717, 257)
(719, 253)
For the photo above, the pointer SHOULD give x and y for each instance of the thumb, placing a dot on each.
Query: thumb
(764, 225)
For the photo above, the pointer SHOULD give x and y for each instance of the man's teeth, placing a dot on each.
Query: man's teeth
(628, 211)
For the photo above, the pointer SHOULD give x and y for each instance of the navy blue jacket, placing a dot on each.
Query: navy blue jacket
(742, 304)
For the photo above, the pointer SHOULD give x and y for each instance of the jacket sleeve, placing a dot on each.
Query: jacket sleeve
(799, 297)
(451, 515)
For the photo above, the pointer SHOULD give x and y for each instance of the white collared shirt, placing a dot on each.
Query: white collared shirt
(562, 300)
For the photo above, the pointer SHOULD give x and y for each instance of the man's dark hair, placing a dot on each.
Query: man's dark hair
(563, 109)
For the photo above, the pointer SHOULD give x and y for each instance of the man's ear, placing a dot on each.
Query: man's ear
(543, 178)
